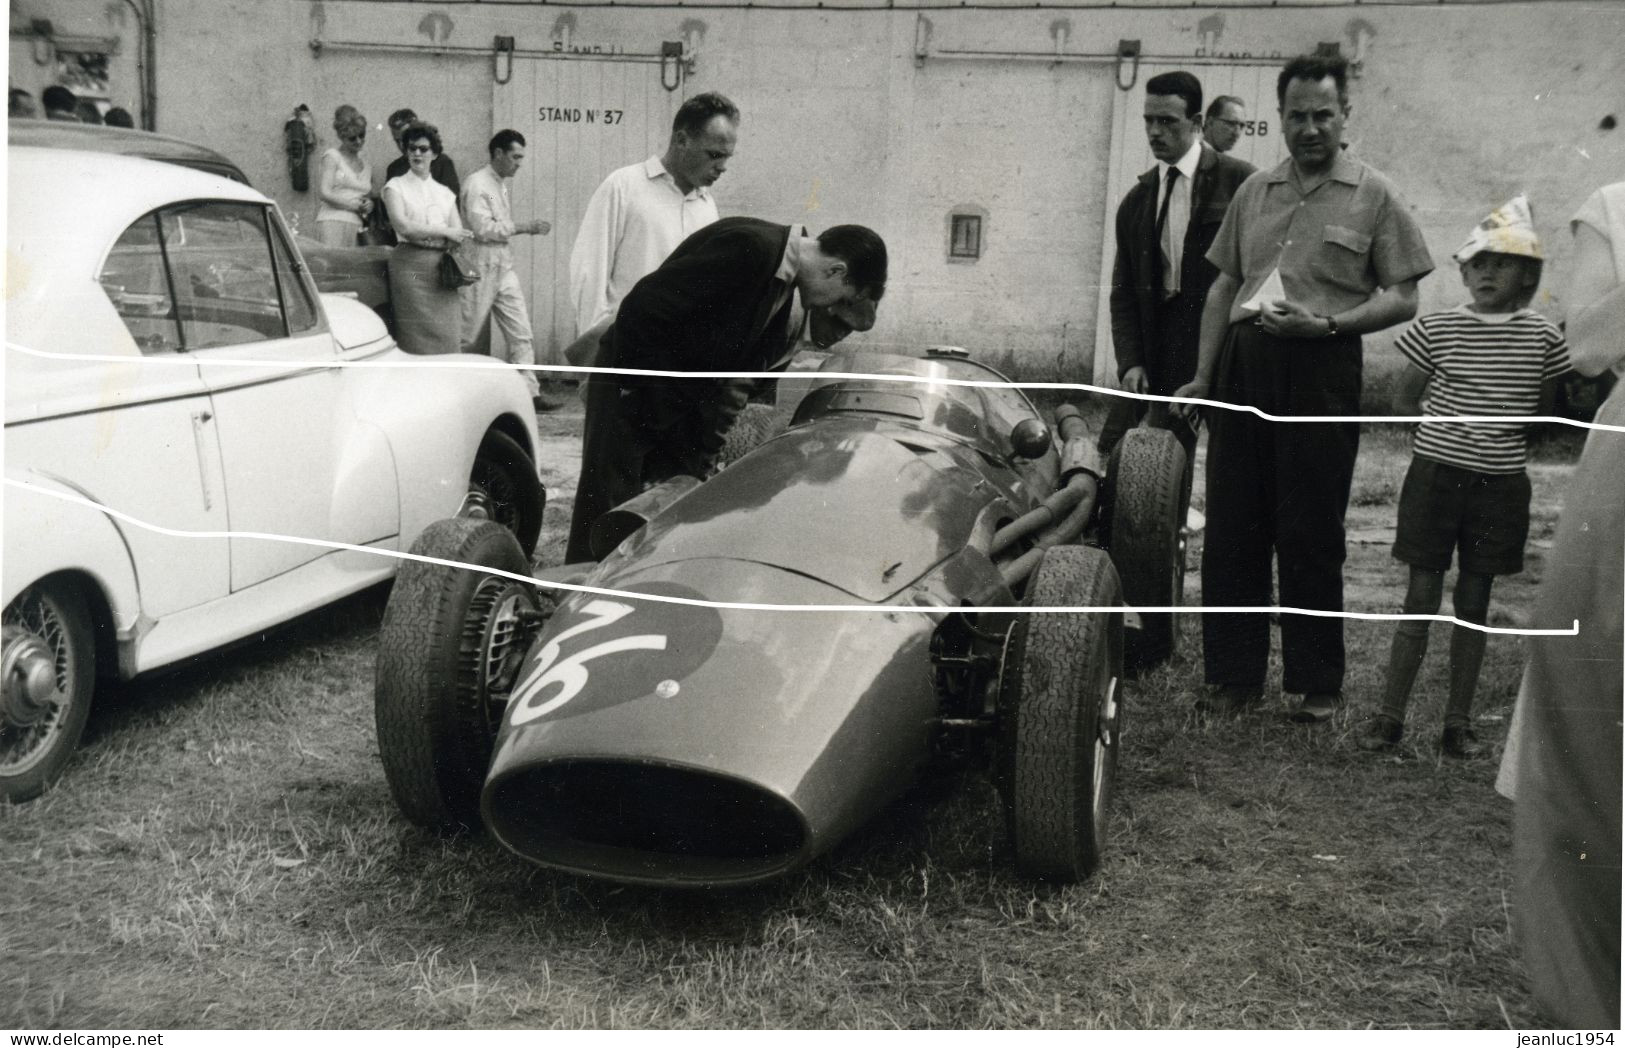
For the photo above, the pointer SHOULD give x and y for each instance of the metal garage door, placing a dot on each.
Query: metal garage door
(582, 119)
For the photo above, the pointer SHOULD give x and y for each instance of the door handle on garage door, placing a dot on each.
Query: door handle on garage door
(199, 420)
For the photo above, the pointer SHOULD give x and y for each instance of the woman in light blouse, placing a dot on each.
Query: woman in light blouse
(346, 182)
(424, 214)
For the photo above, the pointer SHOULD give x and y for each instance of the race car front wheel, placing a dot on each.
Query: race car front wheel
(48, 664)
(1060, 708)
(504, 487)
(450, 646)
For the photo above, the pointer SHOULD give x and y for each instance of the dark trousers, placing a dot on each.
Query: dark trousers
(619, 456)
(1279, 490)
(1170, 362)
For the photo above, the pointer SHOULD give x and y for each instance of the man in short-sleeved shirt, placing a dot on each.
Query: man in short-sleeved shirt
(1312, 255)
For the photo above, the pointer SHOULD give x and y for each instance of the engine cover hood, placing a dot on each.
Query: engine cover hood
(862, 505)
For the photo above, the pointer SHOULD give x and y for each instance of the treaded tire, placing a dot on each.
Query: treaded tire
(1059, 711)
(507, 475)
(1148, 473)
(33, 755)
(435, 727)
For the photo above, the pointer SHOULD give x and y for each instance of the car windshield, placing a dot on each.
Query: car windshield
(1002, 406)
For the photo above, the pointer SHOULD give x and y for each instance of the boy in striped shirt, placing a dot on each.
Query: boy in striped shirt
(1466, 488)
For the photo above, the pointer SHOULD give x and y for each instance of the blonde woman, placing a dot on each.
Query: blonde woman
(428, 316)
(346, 182)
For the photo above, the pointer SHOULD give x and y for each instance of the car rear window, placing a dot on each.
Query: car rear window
(204, 274)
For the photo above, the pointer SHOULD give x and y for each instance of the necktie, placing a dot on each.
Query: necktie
(1170, 278)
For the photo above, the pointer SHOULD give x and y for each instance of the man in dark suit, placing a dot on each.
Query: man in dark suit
(1161, 275)
(732, 297)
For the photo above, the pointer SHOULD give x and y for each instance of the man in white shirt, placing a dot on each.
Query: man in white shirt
(497, 295)
(640, 213)
(1160, 274)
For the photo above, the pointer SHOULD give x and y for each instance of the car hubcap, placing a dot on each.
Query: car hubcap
(34, 668)
(502, 617)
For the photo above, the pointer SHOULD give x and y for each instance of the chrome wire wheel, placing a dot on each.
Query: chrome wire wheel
(48, 664)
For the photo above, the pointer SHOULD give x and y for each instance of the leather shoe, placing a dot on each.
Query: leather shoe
(1460, 743)
(544, 402)
(1381, 733)
(1228, 700)
(1317, 708)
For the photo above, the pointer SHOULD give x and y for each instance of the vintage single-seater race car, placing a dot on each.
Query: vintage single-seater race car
(672, 731)
(168, 357)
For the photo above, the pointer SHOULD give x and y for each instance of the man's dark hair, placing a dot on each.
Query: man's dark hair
(118, 116)
(1217, 105)
(58, 97)
(1314, 68)
(502, 140)
(864, 254)
(402, 117)
(696, 112)
(418, 129)
(1178, 83)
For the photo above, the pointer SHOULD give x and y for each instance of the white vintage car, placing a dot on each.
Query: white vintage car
(169, 358)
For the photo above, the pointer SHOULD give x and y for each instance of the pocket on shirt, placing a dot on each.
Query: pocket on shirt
(1352, 239)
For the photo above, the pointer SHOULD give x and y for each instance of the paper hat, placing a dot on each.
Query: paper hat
(1510, 230)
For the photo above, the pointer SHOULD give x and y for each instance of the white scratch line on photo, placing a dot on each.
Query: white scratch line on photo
(1573, 631)
(575, 369)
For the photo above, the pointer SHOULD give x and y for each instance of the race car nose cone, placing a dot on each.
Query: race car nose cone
(686, 744)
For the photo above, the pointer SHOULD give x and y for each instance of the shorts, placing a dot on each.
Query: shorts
(1443, 508)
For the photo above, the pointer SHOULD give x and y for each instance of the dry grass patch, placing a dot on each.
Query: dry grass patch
(224, 853)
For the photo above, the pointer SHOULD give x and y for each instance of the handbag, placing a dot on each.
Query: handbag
(455, 272)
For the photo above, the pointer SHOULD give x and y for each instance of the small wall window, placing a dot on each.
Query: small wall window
(967, 234)
(967, 241)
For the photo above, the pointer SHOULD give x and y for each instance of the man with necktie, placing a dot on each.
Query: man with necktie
(1164, 227)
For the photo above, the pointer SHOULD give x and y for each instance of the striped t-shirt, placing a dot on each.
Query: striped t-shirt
(1481, 364)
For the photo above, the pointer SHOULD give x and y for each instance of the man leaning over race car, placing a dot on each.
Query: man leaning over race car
(734, 296)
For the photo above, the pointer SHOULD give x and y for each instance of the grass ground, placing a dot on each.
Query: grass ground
(224, 853)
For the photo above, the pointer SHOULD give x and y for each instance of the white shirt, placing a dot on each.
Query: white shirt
(485, 205)
(636, 217)
(425, 201)
(798, 312)
(1179, 212)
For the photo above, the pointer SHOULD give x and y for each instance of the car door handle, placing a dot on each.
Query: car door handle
(201, 419)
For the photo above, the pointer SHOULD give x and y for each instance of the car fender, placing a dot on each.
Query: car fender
(46, 535)
(433, 462)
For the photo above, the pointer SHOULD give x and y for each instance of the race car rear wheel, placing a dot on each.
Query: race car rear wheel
(450, 645)
(1059, 715)
(1147, 480)
(49, 665)
(504, 487)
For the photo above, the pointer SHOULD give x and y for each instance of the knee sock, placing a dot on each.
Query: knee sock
(1472, 604)
(1411, 641)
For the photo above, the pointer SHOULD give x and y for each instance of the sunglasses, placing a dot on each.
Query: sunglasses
(420, 149)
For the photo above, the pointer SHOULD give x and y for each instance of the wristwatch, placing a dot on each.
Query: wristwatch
(1331, 325)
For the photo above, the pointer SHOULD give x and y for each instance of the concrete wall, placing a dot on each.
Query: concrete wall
(1462, 104)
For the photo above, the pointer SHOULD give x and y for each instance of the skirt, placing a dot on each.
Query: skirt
(334, 233)
(428, 317)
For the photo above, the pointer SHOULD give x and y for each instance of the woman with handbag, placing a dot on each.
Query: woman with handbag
(424, 273)
(346, 182)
